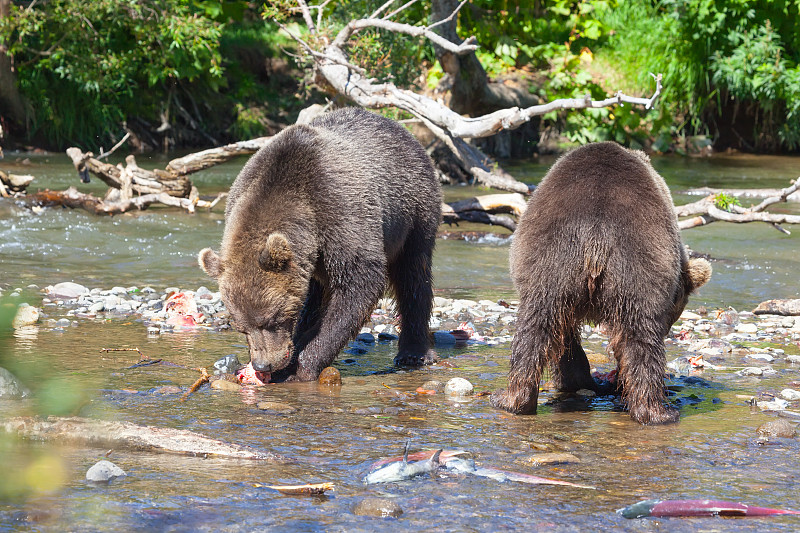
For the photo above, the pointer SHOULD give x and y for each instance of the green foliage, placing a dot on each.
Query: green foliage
(87, 67)
(88, 64)
(726, 202)
(717, 57)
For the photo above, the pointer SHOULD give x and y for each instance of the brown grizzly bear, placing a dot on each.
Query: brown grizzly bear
(598, 242)
(315, 225)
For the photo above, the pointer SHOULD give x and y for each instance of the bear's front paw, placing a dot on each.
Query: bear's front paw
(655, 415)
(409, 358)
(502, 399)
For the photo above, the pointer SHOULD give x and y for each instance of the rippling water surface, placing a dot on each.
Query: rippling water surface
(335, 434)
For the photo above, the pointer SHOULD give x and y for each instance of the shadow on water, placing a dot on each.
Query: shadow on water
(336, 433)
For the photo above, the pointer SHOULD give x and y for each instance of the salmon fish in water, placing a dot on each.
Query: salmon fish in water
(403, 470)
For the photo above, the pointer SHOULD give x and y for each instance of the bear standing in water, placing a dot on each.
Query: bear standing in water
(316, 224)
(598, 242)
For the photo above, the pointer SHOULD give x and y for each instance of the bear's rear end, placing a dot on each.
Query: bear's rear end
(599, 242)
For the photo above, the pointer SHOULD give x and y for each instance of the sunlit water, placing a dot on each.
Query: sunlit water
(335, 434)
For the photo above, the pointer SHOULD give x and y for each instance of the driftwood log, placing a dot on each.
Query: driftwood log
(705, 211)
(13, 184)
(172, 180)
(124, 435)
(490, 209)
(779, 307)
(74, 199)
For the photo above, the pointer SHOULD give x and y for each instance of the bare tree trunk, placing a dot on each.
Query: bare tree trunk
(473, 93)
(12, 108)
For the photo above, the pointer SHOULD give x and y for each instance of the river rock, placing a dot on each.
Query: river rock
(366, 337)
(329, 376)
(790, 394)
(553, 458)
(66, 291)
(27, 315)
(227, 365)
(226, 384)
(278, 407)
(747, 328)
(168, 389)
(458, 387)
(103, 472)
(780, 428)
(380, 507)
(778, 404)
(10, 387)
(433, 385)
(443, 338)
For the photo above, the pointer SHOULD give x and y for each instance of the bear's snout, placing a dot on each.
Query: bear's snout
(270, 350)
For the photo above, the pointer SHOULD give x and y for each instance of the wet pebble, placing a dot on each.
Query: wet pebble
(780, 428)
(222, 384)
(443, 338)
(458, 387)
(378, 507)
(103, 472)
(330, 376)
(553, 458)
(168, 389)
(433, 385)
(277, 407)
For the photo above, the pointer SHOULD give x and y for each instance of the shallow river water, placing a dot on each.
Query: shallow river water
(334, 434)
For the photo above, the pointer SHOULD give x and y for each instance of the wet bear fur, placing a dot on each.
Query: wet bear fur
(598, 242)
(317, 224)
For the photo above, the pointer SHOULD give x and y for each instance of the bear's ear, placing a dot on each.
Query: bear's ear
(699, 271)
(276, 255)
(210, 262)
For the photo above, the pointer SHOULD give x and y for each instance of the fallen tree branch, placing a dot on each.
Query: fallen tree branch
(74, 199)
(743, 193)
(486, 210)
(124, 435)
(13, 184)
(332, 65)
(173, 179)
(705, 211)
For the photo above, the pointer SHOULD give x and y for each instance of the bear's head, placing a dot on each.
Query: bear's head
(696, 274)
(264, 292)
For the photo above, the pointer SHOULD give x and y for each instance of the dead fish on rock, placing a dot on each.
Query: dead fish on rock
(452, 461)
(391, 472)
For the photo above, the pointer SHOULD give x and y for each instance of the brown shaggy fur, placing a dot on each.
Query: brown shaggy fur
(317, 223)
(599, 242)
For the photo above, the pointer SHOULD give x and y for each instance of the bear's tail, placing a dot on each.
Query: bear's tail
(595, 257)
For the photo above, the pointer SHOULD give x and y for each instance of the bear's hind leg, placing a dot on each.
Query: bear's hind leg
(536, 344)
(411, 278)
(641, 368)
(574, 372)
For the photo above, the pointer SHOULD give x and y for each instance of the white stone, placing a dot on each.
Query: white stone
(790, 394)
(66, 290)
(27, 315)
(458, 387)
(688, 315)
(747, 328)
(761, 357)
(775, 405)
(104, 471)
